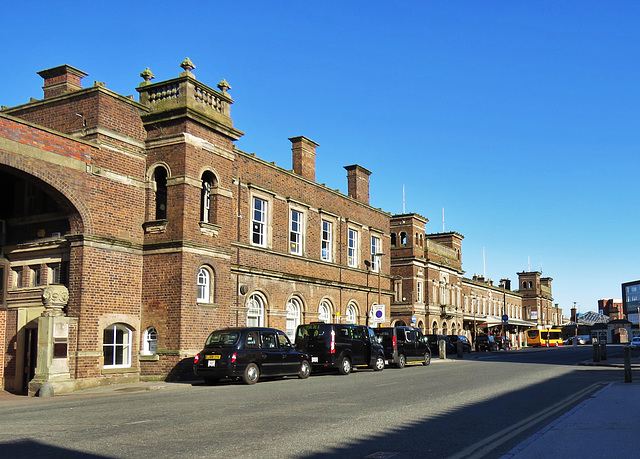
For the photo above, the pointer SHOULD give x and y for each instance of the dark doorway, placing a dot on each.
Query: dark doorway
(30, 356)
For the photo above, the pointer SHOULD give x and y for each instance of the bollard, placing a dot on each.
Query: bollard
(459, 351)
(596, 352)
(442, 348)
(627, 364)
(603, 350)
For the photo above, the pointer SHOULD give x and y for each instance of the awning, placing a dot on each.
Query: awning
(495, 320)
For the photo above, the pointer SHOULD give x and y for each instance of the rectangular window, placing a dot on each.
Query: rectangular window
(295, 232)
(327, 237)
(17, 277)
(419, 292)
(352, 249)
(36, 278)
(259, 222)
(375, 249)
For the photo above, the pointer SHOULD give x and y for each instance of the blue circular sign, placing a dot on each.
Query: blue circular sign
(505, 318)
(378, 314)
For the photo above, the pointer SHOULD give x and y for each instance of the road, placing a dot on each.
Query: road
(481, 406)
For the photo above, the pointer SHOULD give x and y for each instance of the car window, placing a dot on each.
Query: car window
(409, 336)
(268, 340)
(358, 333)
(223, 338)
(283, 340)
(251, 342)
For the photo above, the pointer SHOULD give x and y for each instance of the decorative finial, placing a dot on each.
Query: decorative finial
(147, 75)
(187, 65)
(223, 85)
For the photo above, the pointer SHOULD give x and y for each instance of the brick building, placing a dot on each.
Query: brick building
(162, 230)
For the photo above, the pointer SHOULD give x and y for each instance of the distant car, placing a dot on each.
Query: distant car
(434, 344)
(248, 353)
(579, 339)
(503, 342)
(466, 345)
(486, 343)
(635, 342)
(403, 345)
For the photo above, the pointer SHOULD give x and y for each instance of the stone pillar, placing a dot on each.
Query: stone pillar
(52, 365)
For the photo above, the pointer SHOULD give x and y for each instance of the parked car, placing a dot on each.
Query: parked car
(249, 353)
(635, 342)
(466, 345)
(340, 346)
(403, 345)
(434, 341)
(503, 342)
(486, 343)
(579, 340)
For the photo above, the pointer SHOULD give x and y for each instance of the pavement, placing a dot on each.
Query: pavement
(604, 424)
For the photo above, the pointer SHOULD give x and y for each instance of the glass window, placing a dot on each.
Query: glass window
(352, 249)
(293, 316)
(116, 346)
(351, 314)
(375, 248)
(295, 232)
(419, 292)
(324, 312)
(160, 179)
(255, 311)
(268, 340)
(259, 222)
(150, 341)
(206, 200)
(36, 278)
(204, 286)
(327, 237)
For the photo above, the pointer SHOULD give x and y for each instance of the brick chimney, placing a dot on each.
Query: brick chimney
(304, 157)
(61, 80)
(358, 182)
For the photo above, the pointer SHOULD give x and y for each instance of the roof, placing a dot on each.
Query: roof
(590, 318)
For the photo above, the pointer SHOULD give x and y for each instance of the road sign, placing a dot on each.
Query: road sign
(377, 313)
(413, 319)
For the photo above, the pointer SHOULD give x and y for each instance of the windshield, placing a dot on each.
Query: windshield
(312, 332)
(223, 338)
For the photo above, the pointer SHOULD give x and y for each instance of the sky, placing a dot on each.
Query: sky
(516, 120)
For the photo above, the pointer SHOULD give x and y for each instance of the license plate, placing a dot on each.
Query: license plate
(211, 363)
(314, 359)
(213, 357)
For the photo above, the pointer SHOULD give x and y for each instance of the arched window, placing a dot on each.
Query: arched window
(150, 341)
(160, 179)
(351, 315)
(403, 238)
(393, 239)
(324, 311)
(294, 306)
(205, 200)
(255, 311)
(444, 328)
(434, 328)
(203, 282)
(116, 346)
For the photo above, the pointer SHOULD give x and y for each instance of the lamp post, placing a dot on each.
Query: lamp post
(378, 257)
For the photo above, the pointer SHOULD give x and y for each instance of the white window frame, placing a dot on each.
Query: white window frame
(296, 231)
(123, 349)
(294, 313)
(352, 247)
(203, 281)
(255, 311)
(259, 221)
(324, 312)
(150, 341)
(326, 240)
(351, 314)
(375, 248)
(206, 200)
(419, 288)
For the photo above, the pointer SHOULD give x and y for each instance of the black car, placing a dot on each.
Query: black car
(403, 345)
(486, 343)
(466, 345)
(249, 353)
(434, 341)
(340, 346)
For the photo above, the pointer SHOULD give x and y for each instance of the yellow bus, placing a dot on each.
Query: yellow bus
(544, 337)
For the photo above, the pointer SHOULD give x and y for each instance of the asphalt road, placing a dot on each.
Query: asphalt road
(481, 406)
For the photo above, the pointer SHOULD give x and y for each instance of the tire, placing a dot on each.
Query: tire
(379, 365)
(305, 370)
(402, 361)
(427, 359)
(251, 374)
(345, 366)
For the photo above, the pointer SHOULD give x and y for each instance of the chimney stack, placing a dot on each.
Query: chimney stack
(358, 183)
(304, 157)
(61, 80)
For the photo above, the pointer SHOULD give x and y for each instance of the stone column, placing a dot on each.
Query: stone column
(52, 365)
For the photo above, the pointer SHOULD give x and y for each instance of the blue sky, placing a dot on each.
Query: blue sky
(518, 118)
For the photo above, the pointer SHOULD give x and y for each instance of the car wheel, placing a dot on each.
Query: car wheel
(427, 358)
(345, 366)
(251, 374)
(305, 370)
(402, 361)
(379, 363)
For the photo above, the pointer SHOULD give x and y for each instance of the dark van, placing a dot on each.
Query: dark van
(339, 346)
(403, 345)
